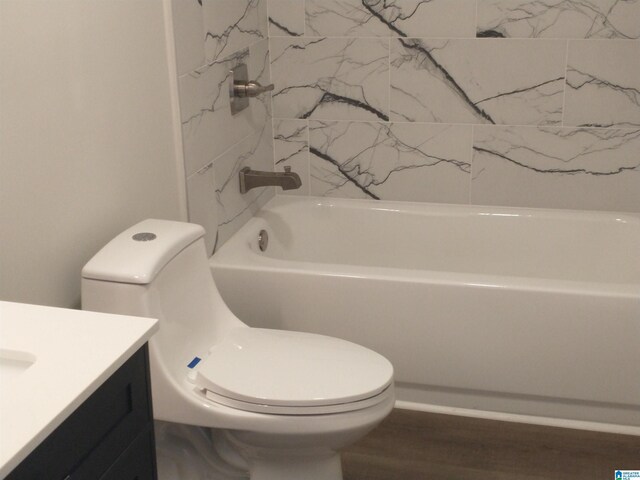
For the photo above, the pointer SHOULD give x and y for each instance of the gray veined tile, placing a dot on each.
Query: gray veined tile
(603, 84)
(330, 78)
(259, 66)
(492, 81)
(203, 208)
(559, 18)
(407, 161)
(232, 25)
(207, 124)
(234, 208)
(198, 119)
(384, 18)
(291, 149)
(286, 18)
(263, 18)
(553, 167)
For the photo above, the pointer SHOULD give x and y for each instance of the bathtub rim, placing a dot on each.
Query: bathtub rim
(280, 200)
(239, 255)
(234, 251)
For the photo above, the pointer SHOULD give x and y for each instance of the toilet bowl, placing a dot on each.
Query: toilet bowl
(281, 404)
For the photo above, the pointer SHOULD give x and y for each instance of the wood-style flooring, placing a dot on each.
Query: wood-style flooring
(412, 445)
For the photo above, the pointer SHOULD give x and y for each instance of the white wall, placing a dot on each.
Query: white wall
(87, 144)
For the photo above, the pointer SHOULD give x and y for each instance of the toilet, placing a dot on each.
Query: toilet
(278, 405)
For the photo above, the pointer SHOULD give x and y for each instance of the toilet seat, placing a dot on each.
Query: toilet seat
(292, 373)
(295, 410)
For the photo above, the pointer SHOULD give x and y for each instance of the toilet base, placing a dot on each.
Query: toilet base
(186, 452)
(285, 458)
(314, 467)
(298, 448)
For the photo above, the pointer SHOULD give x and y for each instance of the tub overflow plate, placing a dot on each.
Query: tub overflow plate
(263, 240)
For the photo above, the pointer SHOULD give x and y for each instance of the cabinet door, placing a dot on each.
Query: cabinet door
(98, 432)
(137, 462)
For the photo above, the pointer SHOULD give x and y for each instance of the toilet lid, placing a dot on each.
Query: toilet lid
(292, 369)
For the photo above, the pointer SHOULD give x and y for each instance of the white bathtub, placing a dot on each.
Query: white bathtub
(515, 314)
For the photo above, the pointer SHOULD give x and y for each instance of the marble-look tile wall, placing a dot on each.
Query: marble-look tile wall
(508, 102)
(213, 36)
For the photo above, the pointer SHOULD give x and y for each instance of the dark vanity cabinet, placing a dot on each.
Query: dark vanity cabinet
(108, 437)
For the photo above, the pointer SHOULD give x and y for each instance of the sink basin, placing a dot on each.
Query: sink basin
(13, 363)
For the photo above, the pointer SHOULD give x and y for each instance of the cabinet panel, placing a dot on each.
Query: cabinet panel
(137, 462)
(98, 431)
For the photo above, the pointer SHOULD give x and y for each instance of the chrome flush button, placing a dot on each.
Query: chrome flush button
(144, 237)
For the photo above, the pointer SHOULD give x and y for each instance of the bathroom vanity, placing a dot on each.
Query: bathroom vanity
(75, 399)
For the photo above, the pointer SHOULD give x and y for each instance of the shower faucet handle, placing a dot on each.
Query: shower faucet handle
(251, 89)
(241, 89)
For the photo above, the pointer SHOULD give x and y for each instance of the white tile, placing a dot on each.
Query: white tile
(260, 70)
(603, 83)
(207, 124)
(286, 18)
(203, 207)
(197, 117)
(559, 18)
(263, 19)
(189, 34)
(406, 161)
(330, 78)
(555, 167)
(234, 208)
(291, 149)
(192, 97)
(405, 18)
(514, 82)
(232, 25)
(207, 129)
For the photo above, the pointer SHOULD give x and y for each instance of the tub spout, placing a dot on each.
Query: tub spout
(249, 179)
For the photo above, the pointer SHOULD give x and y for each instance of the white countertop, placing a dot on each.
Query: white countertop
(52, 360)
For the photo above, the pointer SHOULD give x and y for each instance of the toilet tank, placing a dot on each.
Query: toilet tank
(138, 254)
(159, 269)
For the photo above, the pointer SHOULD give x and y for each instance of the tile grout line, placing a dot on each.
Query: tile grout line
(500, 125)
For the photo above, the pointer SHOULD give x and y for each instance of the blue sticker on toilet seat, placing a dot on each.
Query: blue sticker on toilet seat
(194, 362)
